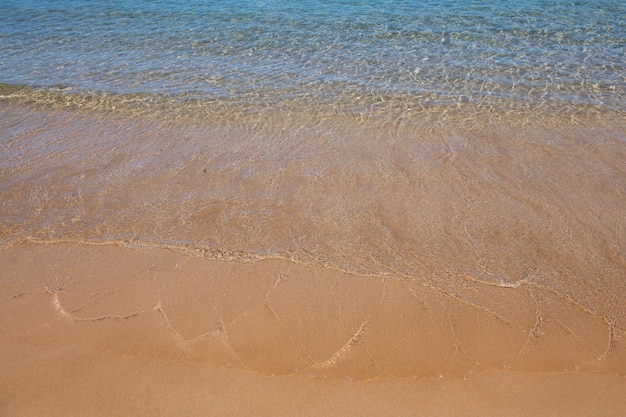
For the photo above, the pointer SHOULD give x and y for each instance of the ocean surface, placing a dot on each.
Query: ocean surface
(355, 57)
(460, 146)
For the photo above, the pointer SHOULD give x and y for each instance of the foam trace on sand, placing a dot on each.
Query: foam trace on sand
(276, 317)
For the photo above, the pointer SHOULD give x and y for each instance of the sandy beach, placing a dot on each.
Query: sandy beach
(345, 209)
(238, 282)
(111, 330)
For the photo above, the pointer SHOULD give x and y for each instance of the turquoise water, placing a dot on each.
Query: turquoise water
(352, 56)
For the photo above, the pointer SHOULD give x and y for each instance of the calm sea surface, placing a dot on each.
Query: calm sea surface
(351, 56)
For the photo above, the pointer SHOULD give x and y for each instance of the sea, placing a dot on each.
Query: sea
(453, 144)
(331, 57)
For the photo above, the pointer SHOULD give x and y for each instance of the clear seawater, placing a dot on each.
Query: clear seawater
(352, 56)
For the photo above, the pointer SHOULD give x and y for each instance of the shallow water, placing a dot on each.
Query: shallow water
(503, 205)
(355, 57)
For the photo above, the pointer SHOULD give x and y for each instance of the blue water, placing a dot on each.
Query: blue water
(352, 55)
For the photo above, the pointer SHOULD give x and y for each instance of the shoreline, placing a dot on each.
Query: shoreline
(372, 271)
(347, 209)
(278, 317)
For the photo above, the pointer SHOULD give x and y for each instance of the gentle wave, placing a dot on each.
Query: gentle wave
(418, 109)
(498, 204)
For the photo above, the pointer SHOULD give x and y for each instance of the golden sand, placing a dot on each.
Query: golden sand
(112, 330)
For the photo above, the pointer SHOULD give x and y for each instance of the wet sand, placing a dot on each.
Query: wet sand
(107, 329)
(73, 381)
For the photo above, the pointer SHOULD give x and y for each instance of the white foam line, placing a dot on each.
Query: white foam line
(344, 350)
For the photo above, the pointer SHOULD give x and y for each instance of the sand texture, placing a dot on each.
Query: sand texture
(111, 330)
